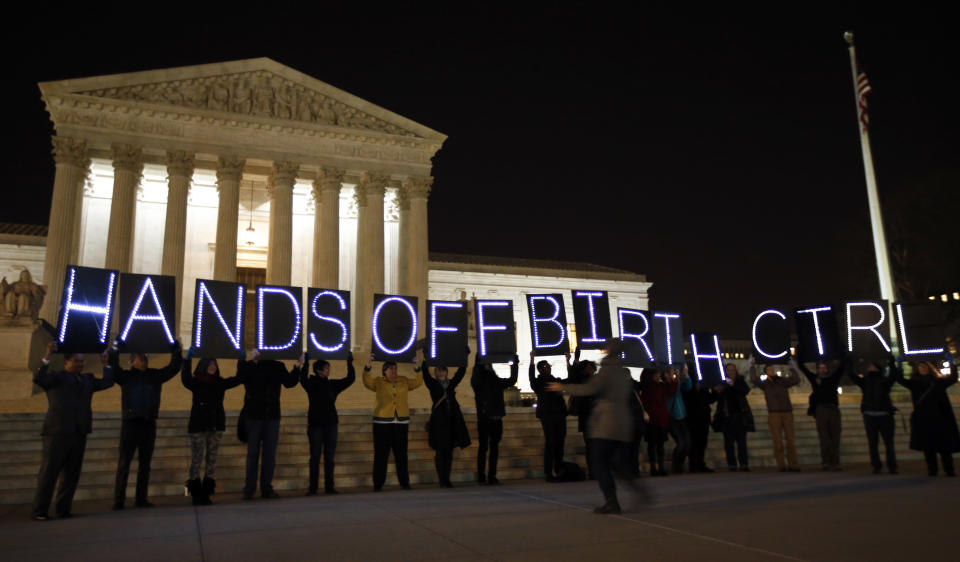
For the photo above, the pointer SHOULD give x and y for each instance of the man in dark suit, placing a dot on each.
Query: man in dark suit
(69, 420)
(140, 405)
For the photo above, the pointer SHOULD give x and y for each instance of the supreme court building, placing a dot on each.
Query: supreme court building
(251, 171)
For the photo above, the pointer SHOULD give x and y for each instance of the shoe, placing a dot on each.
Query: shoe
(784, 469)
(117, 507)
(331, 491)
(931, 473)
(894, 471)
(448, 485)
(951, 474)
(836, 468)
(552, 478)
(248, 495)
(405, 486)
(144, 503)
(611, 507)
(481, 479)
(794, 469)
(40, 517)
(825, 468)
(877, 470)
(269, 495)
(311, 493)
(66, 515)
(706, 469)
(207, 488)
(744, 469)
(194, 488)
(732, 468)
(494, 481)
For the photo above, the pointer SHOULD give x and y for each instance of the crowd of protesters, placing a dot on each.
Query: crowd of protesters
(615, 413)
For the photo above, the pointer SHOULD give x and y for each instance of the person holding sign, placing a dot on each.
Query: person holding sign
(140, 404)
(391, 419)
(824, 406)
(262, 380)
(447, 428)
(65, 428)
(488, 391)
(933, 427)
(207, 422)
(552, 413)
(578, 373)
(610, 426)
(877, 410)
(655, 387)
(734, 418)
(779, 410)
(322, 418)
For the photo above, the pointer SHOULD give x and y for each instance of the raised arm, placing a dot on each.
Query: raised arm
(106, 381)
(793, 377)
(514, 373)
(417, 379)
(173, 367)
(755, 377)
(186, 372)
(344, 383)
(806, 372)
(531, 374)
(592, 386)
(369, 380)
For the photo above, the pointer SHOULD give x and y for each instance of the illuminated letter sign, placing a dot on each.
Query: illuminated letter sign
(146, 312)
(496, 331)
(926, 329)
(218, 318)
(328, 323)
(863, 319)
(818, 335)
(548, 324)
(446, 333)
(394, 327)
(709, 373)
(279, 322)
(634, 327)
(86, 308)
(667, 338)
(591, 315)
(771, 337)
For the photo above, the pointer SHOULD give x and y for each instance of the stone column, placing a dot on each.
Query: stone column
(326, 228)
(72, 163)
(369, 195)
(229, 172)
(179, 176)
(417, 190)
(403, 243)
(127, 170)
(280, 247)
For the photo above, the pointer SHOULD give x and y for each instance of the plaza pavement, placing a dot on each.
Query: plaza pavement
(760, 516)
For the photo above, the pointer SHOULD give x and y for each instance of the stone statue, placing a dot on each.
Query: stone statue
(22, 299)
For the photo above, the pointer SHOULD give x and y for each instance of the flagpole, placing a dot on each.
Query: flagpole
(876, 216)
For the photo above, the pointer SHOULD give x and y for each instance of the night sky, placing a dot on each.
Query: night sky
(722, 161)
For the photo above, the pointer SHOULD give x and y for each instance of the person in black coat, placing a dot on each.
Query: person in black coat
(698, 400)
(207, 423)
(262, 379)
(877, 410)
(734, 418)
(824, 406)
(579, 373)
(488, 391)
(447, 428)
(322, 418)
(933, 426)
(69, 419)
(552, 413)
(141, 387)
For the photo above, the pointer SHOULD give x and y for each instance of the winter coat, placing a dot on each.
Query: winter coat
(322, 394)
(933, 426)
(206, 412)
(446, 428)
(488, 390)
(732, 403)
(611, 389)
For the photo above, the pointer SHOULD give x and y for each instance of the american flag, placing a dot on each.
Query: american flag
(863, 88)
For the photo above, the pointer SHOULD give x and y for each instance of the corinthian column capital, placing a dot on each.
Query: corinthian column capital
(417, 187)
(371, 183)
(229, 168)
(67, 150)
(284, 174)
(127, 158)
(328, 179)
(179, 163)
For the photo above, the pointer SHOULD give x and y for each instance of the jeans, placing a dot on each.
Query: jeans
(262, 435)
(62, 454)
(681, 436)
(828, 430)
(390, 437)
(323, 441)
(880, 426)
(554, 436)
(490, 432)
(138, 436)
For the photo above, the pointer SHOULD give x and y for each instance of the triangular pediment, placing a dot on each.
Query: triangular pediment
(254, 88)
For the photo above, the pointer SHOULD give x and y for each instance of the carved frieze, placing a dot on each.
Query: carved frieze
(259, 93)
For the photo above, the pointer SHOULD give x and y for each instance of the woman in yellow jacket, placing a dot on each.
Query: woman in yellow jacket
(391, 420)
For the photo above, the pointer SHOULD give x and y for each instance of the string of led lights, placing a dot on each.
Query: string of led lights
(621, 312)
(753, 333)
(261, 292)
(343, 327)
(553, 319)
(70, 306)
(413, 326)
(589, 295)
(203, 295)
(136, 316)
